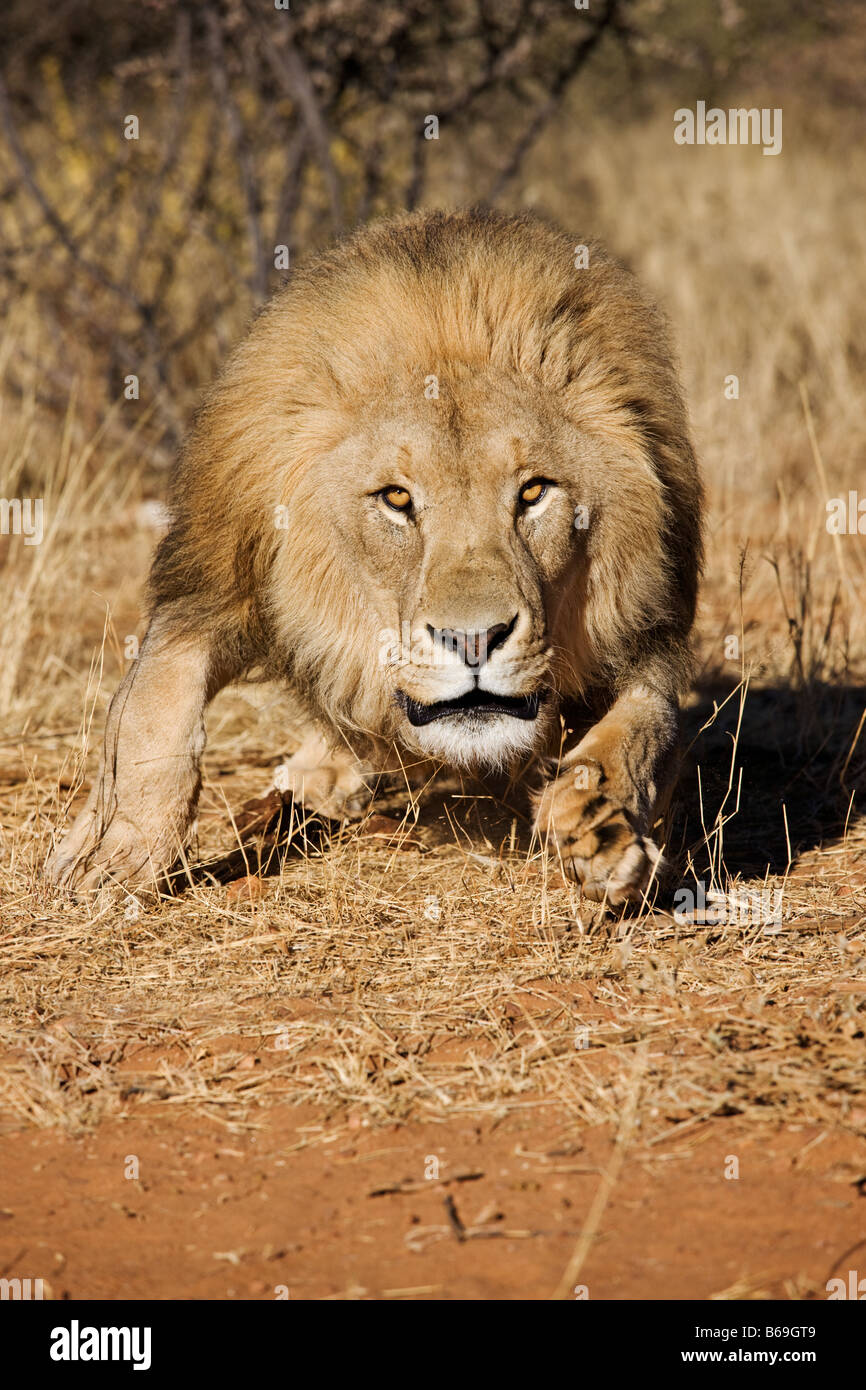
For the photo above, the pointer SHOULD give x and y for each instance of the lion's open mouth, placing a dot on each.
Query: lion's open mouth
(476, 701)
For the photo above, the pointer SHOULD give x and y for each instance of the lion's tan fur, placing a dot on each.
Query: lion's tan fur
(445, 295)
(284, 555)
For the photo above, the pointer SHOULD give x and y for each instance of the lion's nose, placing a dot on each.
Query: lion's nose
(475, 645)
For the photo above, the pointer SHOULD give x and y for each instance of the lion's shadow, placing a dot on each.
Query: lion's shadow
(781, 770)
(766, 778)
(783, 767)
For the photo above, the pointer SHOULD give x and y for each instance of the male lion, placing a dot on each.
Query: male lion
(445, 491)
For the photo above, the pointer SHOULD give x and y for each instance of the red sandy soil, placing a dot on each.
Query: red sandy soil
(221, 1215)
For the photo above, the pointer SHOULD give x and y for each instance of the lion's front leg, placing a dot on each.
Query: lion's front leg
(142, 805)
(598, 811)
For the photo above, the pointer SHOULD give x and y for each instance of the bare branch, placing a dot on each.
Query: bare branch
(50, 213)
(243, 155)
(546, 108)
(290, 193)
(417, 176)
(290, 72)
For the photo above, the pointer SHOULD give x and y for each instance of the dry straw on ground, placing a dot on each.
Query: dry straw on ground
(443, 968)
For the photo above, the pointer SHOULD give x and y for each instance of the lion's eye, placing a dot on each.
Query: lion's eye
(397, 497)
(533, 491)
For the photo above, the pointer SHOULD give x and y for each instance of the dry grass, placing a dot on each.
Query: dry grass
(343, 984)
(337, 988)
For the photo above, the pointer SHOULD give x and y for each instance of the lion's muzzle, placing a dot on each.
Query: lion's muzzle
(485, 703)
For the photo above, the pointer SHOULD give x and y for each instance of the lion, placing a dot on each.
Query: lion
(444, 491)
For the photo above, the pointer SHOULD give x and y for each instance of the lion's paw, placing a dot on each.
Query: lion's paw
(596, 838)
(86, 860)
(329, 784)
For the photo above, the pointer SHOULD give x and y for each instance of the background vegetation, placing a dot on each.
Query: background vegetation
(260, 128)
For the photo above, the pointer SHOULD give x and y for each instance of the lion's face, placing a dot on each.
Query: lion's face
(460, 517)
(445, 483)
